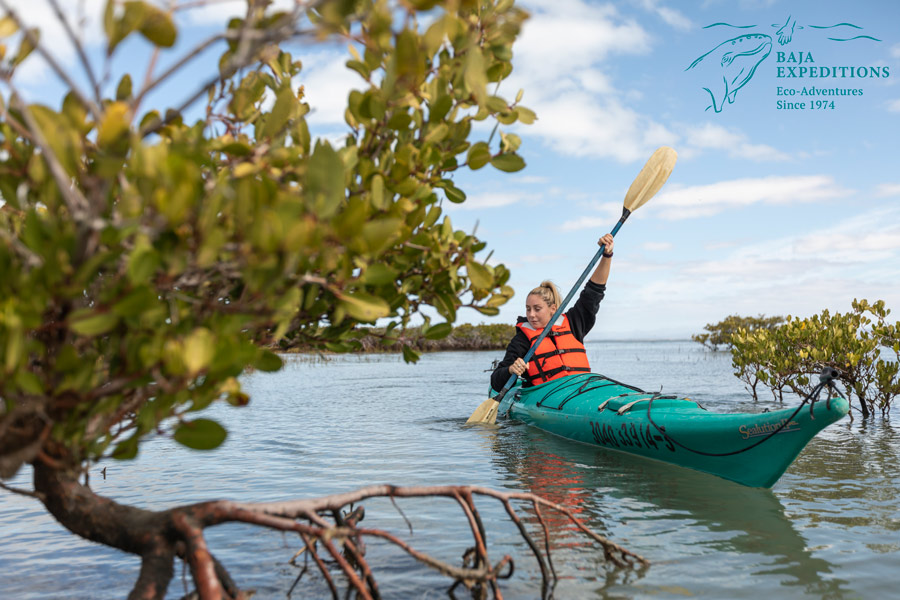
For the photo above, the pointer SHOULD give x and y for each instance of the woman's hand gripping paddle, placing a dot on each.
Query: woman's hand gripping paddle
(646, 184)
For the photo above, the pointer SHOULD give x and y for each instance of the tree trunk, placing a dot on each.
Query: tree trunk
(133, 530)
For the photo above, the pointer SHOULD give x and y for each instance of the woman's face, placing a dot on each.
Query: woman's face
(537, 312)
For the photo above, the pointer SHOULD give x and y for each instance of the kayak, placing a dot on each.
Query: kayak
(753, 449)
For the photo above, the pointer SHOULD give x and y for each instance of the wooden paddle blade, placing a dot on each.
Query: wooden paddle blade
(651, 178)
(485, 413)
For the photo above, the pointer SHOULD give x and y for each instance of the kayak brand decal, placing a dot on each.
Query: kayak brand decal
(767, 428)
(803, 82)
(629, 435)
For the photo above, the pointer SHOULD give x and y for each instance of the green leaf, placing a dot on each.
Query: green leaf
(284, 109)
(126, 449)
(480, 276)
(27, 46)
(474, 76)
(454, 194)
(29, 383)
(479, 155)
(379, 234)
(410, 355)
(268, 361)
(157, 26)
(439, 331)
(124, 89)
(364, 307)
(200, 434)
(510, 163)
(379, 274)
(90, 324)
(325, 180)
(135, 303)
(437, 134)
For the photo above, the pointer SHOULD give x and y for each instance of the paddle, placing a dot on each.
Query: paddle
(644, 187)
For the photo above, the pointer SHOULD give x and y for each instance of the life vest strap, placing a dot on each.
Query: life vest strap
(558, 352)
(546, 375)
(554, 333)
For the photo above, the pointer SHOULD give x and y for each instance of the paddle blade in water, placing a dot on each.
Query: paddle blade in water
(651, 178)
(485, 413)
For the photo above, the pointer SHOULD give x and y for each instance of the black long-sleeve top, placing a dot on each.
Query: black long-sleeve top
(582, 317)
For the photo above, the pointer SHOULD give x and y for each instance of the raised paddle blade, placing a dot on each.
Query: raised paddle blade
(485, 413)
(651, 178)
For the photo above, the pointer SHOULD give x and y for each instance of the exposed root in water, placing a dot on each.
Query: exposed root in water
(332, 541)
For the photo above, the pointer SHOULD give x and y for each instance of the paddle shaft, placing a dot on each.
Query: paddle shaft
(512, 376)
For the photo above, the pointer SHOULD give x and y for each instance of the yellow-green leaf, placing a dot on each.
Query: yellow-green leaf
(364, 307)
(114, 124)
(479, 155)
(198, 350)
(7, 26)
(157, 26)
(475, 77)
(480, 275)
(509, 163)
(325, 180)
(286, 105)
(93, 324)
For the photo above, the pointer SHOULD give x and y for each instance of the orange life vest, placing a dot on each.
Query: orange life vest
(558, 355)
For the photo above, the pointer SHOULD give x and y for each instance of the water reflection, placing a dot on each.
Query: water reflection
(660, 509)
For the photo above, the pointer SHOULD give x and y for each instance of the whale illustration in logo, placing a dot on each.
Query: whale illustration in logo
(737, 58)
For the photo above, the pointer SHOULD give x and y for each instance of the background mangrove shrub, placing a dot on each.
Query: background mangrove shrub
(720, 334)
(861, 345)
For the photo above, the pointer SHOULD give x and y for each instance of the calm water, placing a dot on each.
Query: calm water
(830, 528)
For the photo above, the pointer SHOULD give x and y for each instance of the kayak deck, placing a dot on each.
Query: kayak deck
(753, 449)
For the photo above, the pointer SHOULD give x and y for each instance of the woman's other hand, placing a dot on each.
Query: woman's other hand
(518, 368)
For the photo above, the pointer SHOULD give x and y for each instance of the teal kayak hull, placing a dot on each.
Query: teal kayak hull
(753, 449)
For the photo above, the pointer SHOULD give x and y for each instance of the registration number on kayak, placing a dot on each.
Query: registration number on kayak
(629, 435)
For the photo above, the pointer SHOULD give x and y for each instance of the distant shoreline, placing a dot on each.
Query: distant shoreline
(465, 337)
(377, 340)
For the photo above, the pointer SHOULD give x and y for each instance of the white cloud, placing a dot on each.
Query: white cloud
(84, 17)
(559, 61)
(795, 274)
(327, 83)
(219, 12)
(531, 259)
(657, 246)
(532, 179)
(492, 200)
(716, 137)
(669, 15)
(894, 105)
(887, 189)
(609, 214)
(705, 200)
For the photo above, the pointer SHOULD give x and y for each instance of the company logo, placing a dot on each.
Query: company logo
(731, 65)
(768, 429)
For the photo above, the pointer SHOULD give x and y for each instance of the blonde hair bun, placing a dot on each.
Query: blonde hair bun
(547, 292)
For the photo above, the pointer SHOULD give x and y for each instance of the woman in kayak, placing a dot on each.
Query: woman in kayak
(562, 351)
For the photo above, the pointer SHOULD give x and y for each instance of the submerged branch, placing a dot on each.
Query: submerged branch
(158, 537)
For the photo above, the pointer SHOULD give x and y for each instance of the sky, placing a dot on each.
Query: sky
(781, 203)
